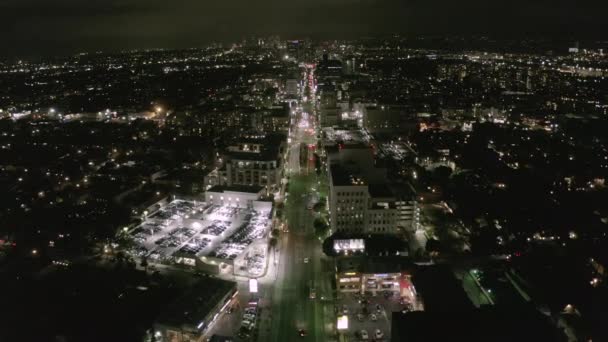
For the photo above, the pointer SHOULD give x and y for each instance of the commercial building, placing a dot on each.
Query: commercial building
(360, 200)
(388, 118)
(329, 110)
(254, 160)
(376, 275)
(271, 120)
(189, 317)
(291, 88)
(328, 70)
(239, 196)
(227, 232)
(295, 50)
(484, 324)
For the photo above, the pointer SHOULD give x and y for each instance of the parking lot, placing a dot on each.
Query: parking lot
(369, 317)
(184, 231)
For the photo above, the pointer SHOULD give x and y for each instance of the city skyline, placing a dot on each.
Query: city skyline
(319, 171)
(41, 28)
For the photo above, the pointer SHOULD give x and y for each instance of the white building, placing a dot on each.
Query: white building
(359, 199)
(254, 160)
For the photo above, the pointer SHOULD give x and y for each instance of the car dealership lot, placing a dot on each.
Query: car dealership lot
(185, 231)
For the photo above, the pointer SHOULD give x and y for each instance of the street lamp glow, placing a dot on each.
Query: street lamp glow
(253, 285)
(342, 322)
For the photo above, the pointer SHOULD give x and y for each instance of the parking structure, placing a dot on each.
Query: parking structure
(194, 233)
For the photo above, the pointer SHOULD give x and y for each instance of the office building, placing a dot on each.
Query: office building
(254, 160)
(360, 200)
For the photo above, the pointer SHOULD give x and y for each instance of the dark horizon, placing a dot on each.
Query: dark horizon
(37, 28)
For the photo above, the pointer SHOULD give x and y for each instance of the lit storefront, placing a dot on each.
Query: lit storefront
(375, 276)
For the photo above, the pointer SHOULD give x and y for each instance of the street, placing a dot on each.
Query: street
(291, 308)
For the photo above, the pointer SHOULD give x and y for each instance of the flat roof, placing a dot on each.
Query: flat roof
(253, 189)
(264, 155)
(269, 151)
(441, 290)
(349, 137)
(195, 305)
(375, 265)
(484, 324)
(380, 190)
(341, 177)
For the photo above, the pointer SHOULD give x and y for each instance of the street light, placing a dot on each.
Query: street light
(342, 322)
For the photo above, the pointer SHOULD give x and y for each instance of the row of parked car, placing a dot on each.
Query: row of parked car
(248, 322)
(364, 335)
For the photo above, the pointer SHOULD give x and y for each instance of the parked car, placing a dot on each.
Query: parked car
(364, 335)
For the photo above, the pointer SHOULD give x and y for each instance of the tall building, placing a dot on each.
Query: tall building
(271, 120)
(291, 88)
(329, 110)
(328, 70)
(294, 49)
(254, 160)
(350, 66)
(360, 200)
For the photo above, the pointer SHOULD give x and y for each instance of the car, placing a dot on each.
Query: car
(306, 260)
(364, 335)
(302, 332)
(378, 334)
(373, 317)
(243, 333)
(247, 325)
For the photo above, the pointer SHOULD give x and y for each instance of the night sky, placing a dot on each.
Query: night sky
(44, 27)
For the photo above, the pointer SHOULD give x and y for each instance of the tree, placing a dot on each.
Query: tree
(319, 205)
(273, 242)
(433, 246)
(275, 233)
(442, 176)
(144, 263)
(321, 228)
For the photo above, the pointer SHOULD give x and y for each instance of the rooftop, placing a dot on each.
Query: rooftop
(485, 324)
(253, 189)
(341, 177)
(380, 191)
(375, 265)
(349, 137)
(192, 308)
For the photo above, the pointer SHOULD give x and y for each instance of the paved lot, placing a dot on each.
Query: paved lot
(362, 311)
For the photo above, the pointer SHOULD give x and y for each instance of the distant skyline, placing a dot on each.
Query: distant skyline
(48, 27)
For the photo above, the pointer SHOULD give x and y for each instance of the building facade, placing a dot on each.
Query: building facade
(254, 160)
(360, 201)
